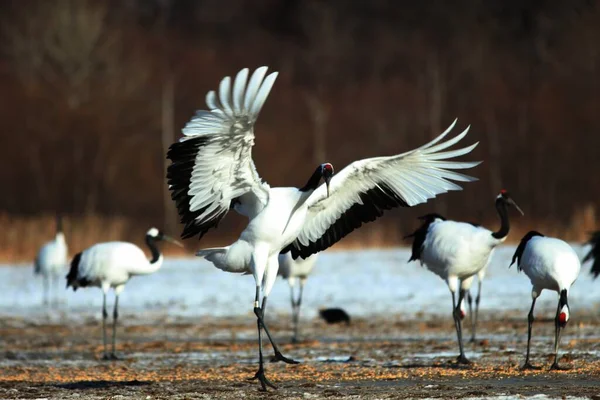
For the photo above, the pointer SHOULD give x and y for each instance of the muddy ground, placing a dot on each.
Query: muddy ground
(58, 357)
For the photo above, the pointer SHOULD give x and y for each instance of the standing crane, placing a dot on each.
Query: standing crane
(550, 264)
(111, 265)
(296, 271)
(212, 171)
(457, 251)
(51, 261)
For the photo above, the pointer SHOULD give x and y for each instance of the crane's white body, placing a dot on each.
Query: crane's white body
(296, 270)
(260, 243)
(111, 264)
(50, 263)
(456, 251)
(550, 264)
(51, 259)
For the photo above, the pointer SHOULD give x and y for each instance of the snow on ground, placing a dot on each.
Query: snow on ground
(362, 282)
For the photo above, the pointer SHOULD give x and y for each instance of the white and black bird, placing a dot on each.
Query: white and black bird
(457, 251)
(296, 272)
(212, 171)
(550, 264)
(51, 261)
(594, 253)
(111, 265)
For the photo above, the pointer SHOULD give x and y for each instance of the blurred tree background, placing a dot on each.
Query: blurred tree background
(93, 92)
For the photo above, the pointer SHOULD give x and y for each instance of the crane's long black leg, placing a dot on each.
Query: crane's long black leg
(55, 290)
(294, 314)
(297, 314)
(477, 299)
(260, 374)
(46, 290)
(557, 332)
(104, 316)
(530, 320)
(260, 313)
(470, 301)
(462, 359)
(113, 355)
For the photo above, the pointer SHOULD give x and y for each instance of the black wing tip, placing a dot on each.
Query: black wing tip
(372, 205)
(74, 271)
(594, 253)
(521, 247)
(421, 234)
(179, 173)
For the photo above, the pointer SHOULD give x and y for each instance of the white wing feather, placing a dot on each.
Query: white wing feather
(365, 188)
(212, 164)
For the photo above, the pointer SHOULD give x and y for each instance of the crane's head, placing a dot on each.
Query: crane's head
(505, 198)
(324, 171)
(327, 172)
(155, 234)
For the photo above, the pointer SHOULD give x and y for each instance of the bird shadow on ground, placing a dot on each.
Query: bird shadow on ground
(100, 384)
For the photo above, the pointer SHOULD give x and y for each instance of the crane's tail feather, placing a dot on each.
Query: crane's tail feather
(74, 272)
(219, 257)
(594, 253)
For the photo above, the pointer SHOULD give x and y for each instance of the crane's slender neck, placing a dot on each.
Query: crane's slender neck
(154, 264)
(59, 227)
(60, 237)
(313, 182)
(502, 233)
(150, 241)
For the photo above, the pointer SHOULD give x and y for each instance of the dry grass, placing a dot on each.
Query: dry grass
(21, 237)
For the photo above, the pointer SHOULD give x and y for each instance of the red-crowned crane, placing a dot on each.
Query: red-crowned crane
(550, 264)
(111, 265)
(457, 251)
(51, 261)
(212, 171)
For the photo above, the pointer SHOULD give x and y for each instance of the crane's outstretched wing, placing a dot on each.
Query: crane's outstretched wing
(363, 190)
(212, 166)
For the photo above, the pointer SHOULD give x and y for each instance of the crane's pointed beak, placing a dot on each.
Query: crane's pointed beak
(327, 180)
(512, 203)
(171, 240)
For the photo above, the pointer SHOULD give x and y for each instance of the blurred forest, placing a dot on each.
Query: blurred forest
(93, 93)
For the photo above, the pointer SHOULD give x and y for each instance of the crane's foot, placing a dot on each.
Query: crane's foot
(556, 367)
(462, 359)
(264, 382)
(528, 365)
(280, 357)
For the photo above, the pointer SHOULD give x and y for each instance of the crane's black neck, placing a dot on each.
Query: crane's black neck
(504, 222)
(314, 181)
(563, 299)
(151, 242)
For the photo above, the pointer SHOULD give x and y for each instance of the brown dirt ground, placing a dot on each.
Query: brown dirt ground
(386, 357)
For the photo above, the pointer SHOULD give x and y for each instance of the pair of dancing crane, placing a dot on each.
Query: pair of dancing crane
(212, 172)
